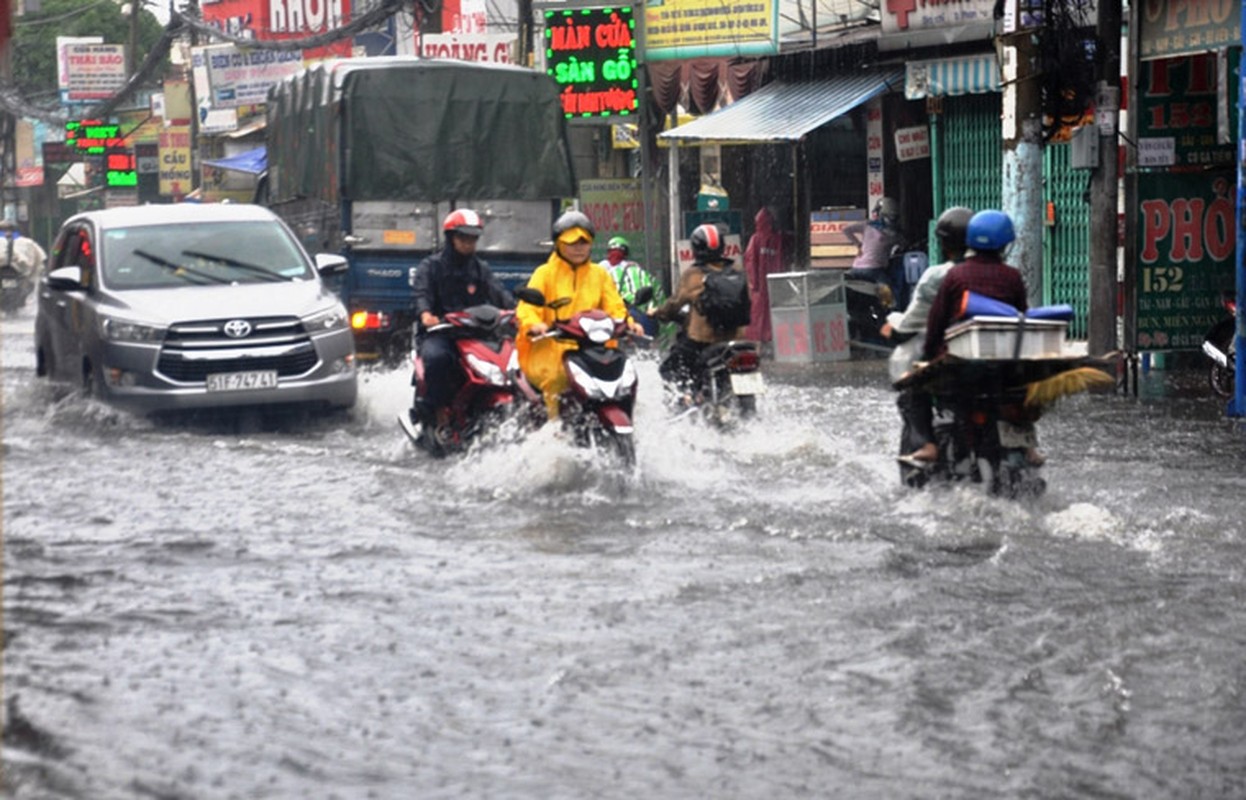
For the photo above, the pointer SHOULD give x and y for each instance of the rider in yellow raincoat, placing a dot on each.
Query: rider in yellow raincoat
(567, 273)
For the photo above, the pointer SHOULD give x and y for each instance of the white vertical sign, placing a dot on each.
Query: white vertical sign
(874, 150)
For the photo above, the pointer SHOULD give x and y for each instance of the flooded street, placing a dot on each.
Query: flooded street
(207, 610)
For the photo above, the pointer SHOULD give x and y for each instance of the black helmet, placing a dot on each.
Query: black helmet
(574, 219)
(708, 241)
(950, 228)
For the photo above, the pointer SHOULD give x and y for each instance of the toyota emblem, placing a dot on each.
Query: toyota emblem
(237, 328)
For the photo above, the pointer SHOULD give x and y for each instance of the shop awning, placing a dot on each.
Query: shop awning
(252, 161)
(950, 77)
(784, 112)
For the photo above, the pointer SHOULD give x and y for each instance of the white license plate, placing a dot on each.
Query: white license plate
(745, 383)
(1017, 435)
(242, 381)
(9, 283)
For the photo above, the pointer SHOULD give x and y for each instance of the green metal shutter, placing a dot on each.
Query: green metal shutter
(971, 167)
(973, 170)
(1066, 243)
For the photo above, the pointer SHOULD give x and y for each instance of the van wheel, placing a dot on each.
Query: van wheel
(43, 360)
(90, 380)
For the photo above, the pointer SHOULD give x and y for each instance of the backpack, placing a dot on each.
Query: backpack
(725, 302)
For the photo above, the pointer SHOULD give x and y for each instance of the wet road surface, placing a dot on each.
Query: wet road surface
(246, 610)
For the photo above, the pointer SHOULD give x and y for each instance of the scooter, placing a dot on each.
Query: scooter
(1220, 345)
(14, 289)
(597, 407)
(494, 390)
(986, 412)
(868, 303)
(728, 382)
(983, 438)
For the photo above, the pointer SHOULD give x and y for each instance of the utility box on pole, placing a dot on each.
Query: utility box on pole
(1084, 148)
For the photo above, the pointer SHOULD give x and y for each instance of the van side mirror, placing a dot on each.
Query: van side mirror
(331, 263)
(66, 279)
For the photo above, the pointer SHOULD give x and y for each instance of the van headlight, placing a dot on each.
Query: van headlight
(329, 319)
(123, 330)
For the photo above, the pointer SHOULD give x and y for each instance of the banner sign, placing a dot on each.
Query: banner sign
(94, 71)
(616, 207)
(1177, 114)
(591, 54)
(912, 143)
(29, 153)
(243, 77)
(488, 48)
(697, 28)
(175, 172)
(910, 23)
(279, 20)
(1177, 27)
(1187, 235)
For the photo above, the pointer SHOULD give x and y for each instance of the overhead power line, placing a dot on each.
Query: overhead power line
(14, 102)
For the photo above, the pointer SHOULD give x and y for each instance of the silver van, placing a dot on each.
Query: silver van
(166, 307)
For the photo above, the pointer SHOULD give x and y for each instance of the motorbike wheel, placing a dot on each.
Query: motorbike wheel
(11, 304)
(1223, 380)
(625, 447)
(1014, 479)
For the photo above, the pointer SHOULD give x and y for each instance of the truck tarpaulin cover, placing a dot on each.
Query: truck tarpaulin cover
(419, 130)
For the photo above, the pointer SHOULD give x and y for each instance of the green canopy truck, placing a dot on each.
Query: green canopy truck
(367, 156)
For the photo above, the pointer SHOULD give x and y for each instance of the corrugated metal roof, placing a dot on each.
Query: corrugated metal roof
(785, 112)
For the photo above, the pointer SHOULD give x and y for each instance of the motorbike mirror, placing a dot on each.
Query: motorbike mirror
(559, 303)
(644, 296)
(530, 295)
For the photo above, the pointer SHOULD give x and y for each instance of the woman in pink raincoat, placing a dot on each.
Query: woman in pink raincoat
(763, 256)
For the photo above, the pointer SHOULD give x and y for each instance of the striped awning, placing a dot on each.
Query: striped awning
(948, 77)
(784, 112)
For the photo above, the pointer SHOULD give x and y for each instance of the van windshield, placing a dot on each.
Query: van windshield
(200, 253)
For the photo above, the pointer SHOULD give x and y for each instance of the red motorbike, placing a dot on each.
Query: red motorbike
(494, 391)
(597, 406)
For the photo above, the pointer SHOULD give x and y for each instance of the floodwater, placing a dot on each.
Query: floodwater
(316, 610)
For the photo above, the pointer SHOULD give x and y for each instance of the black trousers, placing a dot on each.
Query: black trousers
(442, 374)
(681, 364)
(918, 416)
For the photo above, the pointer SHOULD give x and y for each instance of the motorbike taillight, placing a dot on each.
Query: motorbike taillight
(744, 361)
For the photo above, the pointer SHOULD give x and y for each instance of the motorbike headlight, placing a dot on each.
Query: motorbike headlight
(587, 383)
(124, 330)
(329, 319)
(490, 372)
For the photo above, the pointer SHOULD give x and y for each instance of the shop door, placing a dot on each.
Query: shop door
(972, 152)
(1066, 235)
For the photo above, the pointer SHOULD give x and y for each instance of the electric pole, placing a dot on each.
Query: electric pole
(1023, 156)
(1104, 179)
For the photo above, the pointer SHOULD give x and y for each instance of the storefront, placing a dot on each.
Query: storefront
(1181, 231)
(792, 147)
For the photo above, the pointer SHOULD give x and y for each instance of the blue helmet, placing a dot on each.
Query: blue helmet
(989, 230)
